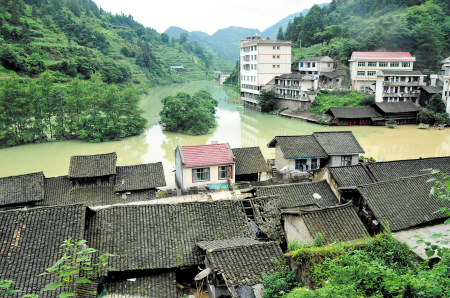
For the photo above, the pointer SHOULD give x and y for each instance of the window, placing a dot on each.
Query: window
(274, 47)
(314, 64)
(300, 164)
(273, 56)
(371, 73)
(394, 64)
(252, 66)
(405, 64)
(361, 64)
(361, 73)
(346, 160)
(200, 174)
(273, 66)
(278, 66)
(255, 57)
(329, 64)
(337, 80)
(278, 47)
(252, 57)
(278, 56)
(251, 48)
(254, 48)
(223, 172)
(313, 164)
(255, 66)
(372, 64)
(383, 64)
(301, 64)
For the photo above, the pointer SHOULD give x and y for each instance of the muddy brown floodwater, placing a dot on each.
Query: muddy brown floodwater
(239, 127)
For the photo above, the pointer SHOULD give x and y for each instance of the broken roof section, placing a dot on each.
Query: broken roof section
(163, 235)
(338, 142)
(402, 203)
(298, 146)
(82, 166)
(242, 261)
(22, 189)
(140, 177)
(206, 155)
(249, 160)
(156, 285)
(30, 242)
(300, 194)
(337, 223)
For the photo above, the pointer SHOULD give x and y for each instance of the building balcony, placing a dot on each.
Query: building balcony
(402, 94)
(246, 58)
(292, 87)
(404, 84)
(293, 97)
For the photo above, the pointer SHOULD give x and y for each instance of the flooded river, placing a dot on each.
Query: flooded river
(239, 127)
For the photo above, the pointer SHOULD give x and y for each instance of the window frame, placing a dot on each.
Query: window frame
(358, 73)
(301, 162)
(371, 73)
(406, 64)
(371, 64)
(346, 160)
(218, 172)
(394, 64)
(196, 169)
(361, 64)
(383, 64)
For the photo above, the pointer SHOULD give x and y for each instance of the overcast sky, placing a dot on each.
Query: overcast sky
(206, 15)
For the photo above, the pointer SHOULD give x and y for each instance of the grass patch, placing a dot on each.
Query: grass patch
(338, 98)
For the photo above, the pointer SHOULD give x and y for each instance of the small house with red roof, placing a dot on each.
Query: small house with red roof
(204, 164)
(365, 65)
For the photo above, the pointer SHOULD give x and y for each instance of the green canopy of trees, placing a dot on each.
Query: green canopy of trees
(89, 110)
(190, 114)
(435, 112)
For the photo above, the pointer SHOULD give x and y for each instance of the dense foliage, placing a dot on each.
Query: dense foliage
(376, 267)
(419, 27)
(281, 281)
(340, 98)
(36, 111)
(435, 112)
(268, 99)
(190, 114)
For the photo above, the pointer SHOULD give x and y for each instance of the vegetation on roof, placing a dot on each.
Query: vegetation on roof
(326, 99)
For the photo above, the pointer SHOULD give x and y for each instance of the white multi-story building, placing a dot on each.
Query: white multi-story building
(261, 61)
(365, 65)
(397, 85)
(316, 65)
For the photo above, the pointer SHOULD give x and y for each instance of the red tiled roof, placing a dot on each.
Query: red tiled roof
(202, 155)
(382, 54)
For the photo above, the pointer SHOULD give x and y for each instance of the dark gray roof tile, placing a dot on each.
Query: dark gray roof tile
(348, 176)
(353, 112)
(338, 142)
(249, 160)
(22, 189)
(397, 107)
(82, 166)
(140, 177)
(298, 146)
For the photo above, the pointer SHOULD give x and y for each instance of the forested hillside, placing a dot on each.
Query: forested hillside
(419, 27)
(75, 37)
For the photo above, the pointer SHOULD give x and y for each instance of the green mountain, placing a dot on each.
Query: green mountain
(272, 31)
(224, 42)
(419, 27)
(74, 38)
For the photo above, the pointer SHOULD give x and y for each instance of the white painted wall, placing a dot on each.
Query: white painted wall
(213, 176)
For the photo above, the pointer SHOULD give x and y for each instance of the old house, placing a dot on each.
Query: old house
(331, 80)
(250, 163)
(336, 223)
(353, 115)
(99, 169)
(151, 285)
(427, 92)
(296, 155)
(404, 112)
(30, 243)
(204, 164)
(237, 264)
(21, 190)
(316, 65)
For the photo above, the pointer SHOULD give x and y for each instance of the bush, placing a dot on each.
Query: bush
(280, 282)
(367, 100)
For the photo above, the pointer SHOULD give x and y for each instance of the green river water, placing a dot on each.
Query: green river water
(238, 127)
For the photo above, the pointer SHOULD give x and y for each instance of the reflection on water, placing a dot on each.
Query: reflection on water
(241, 128)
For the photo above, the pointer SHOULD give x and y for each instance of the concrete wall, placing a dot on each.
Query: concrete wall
(294, 104)
(296, 229)
(178, 168)
(213, 176)
(280, 161)
(324, 174)
(335, 160)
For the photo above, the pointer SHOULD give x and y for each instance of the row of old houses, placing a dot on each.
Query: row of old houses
(166, 247)
(266, 65)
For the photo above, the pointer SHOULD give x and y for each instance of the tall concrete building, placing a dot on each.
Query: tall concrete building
(261, 61)
(365, 65)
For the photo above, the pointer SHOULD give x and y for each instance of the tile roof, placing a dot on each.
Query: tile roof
(298, 146)
(30, 242)
(389, 170)
(402, 203)
(94, 195)
(249, 160)
(348, 176)
(397, 107)
(299, 194)
(22, 189)
(388, 72)
(139, 177)
(332, 75)
(202, 155)
(268, 217)
(338, 142)
(353, 112)
(433, 89)
(297, 76)
(92, 165)
(316, 58)
(153, 286)
(163, 235)
(227, 243)
(338, 223)
(57, 190)
(244, 264)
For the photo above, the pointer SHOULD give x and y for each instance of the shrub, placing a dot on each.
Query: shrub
(280, 282)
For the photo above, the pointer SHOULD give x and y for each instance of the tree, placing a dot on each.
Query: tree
(75, 267)
(164, 37)
(188, 114)
(436, 104)
(280, 35)
(268, 99)
(183, 37)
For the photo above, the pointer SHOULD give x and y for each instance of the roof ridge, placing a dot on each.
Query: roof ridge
(241, 245)
(142, 164)
(96, 154)
(342, 206)
(23, 175)
(393, 180)
(148, 203)
(280, 185)
(43, 207)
